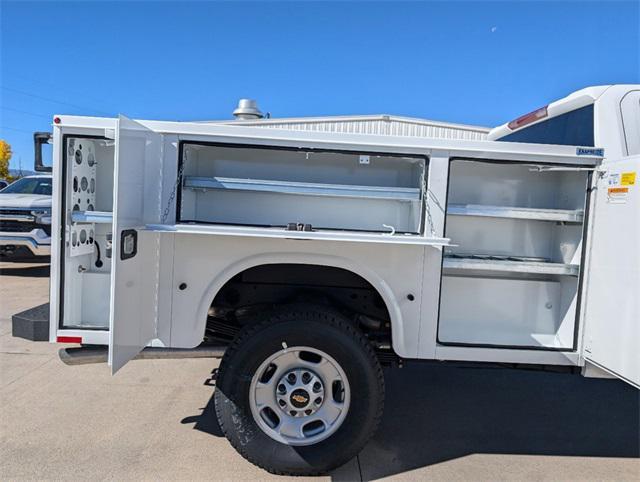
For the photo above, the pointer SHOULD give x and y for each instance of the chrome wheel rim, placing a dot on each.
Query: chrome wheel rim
(299, 396)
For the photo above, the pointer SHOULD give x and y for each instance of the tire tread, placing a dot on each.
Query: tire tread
(287, 313)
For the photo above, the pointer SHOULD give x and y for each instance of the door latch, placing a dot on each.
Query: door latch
(128, 243)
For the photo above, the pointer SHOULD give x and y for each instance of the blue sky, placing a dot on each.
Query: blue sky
(470, 62)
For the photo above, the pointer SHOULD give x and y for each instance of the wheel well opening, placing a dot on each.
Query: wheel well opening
(265, 287)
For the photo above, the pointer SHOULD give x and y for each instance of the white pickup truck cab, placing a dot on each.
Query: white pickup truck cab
(312, 258)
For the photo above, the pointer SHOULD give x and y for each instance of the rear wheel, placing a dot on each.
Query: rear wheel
(300, 391)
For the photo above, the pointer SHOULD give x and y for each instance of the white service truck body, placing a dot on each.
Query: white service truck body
(171, 234)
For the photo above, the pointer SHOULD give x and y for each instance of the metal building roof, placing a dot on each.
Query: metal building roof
(371, 124)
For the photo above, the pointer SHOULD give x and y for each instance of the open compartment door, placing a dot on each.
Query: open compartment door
(612, 302)
(134, 276)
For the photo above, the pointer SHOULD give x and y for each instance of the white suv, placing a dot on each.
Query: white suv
(25, 216)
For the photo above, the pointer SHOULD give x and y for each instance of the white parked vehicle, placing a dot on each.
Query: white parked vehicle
(25, 216)
(312, 258)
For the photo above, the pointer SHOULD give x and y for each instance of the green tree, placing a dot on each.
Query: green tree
(5, 155)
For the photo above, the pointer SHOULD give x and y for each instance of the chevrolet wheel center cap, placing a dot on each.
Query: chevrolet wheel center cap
(299, 398)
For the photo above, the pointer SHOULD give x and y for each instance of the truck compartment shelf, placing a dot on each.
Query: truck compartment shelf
(304, 188)
(566, 215)
(96, 217)
(507, 312)
(508, 264)
(317, 235)
(499, 334)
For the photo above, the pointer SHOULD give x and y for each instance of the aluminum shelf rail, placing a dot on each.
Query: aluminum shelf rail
(304, 188)
(320, 235)
(96, 217)
(509, 266)
(566, 215)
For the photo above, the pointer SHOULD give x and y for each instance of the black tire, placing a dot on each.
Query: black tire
(314, 327)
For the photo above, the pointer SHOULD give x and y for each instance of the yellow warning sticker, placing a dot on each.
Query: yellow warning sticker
(628, 178)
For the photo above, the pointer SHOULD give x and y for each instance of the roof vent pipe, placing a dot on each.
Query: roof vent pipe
(247, 109)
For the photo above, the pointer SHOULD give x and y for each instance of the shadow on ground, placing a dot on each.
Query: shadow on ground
(438, 413)
(17, 268)
(207, 421)
(435, 413)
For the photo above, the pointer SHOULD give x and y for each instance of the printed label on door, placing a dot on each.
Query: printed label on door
(617, 194)
(628, 178)
(614, 179)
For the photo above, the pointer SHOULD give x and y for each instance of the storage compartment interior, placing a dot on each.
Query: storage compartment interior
(275, 187)
(88, 204)
(512, 277)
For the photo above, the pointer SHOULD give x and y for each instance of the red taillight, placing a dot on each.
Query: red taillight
(522, 121)
(56, 120)
(69, 339)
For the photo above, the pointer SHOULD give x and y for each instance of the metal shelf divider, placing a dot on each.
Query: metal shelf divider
(565, 215)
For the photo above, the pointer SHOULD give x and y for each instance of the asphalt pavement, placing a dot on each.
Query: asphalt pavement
(155, 418)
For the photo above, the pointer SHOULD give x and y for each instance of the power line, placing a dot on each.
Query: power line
(48, 99)
(56, 86)
(26, 112)
(14, 129)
